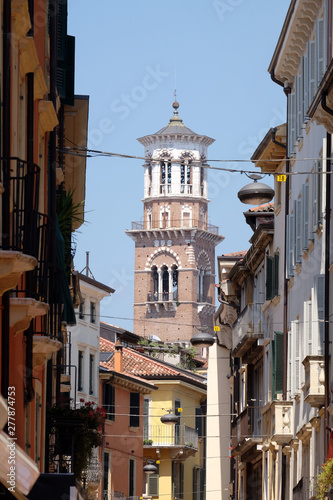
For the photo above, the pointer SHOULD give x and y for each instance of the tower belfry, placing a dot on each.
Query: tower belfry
(174, 282)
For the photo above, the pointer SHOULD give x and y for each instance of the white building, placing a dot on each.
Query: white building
(84, 340)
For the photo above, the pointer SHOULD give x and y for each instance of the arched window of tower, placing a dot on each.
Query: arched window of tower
(164, 284)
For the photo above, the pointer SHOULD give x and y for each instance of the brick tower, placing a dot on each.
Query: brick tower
(174, 283)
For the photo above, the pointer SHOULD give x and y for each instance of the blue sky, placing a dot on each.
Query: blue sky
(130, 56)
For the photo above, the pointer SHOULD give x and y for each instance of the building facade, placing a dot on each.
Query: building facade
(174, 242)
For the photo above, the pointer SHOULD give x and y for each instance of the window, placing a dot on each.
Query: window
(91, 373)
(294, 358)
(177, 426)
(145, 419)
(107, 476)
(81, 310)
(109, 401)
(80, 371)
(318, 314)
(277, 364)
(178, 479)
(134, 409)
(131, 482)
(185, 177)
(272, 276)
(92, 312)
(317, 187)
(153, 480)
(198, 420)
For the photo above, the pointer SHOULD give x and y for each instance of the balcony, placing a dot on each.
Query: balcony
(172, 224)
(246, 433)
(247, 330)
(162, 297)
(278, 420)
(175, 438)
(314, 388)
(18, 241)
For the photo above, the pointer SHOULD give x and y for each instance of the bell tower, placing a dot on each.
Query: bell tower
(174, 282)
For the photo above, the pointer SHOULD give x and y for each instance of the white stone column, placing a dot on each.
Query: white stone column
(160, 283)
(170, 284)
(175, 178)
(155, 187)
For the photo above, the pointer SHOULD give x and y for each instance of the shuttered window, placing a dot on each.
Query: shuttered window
(319, 313)
(153, 480)
(308, 328)
(299, 105)
(277, 364)
(312, 73)
(295, 357)
(134, 409)
(291, 123)
(305, 215)
(298, 230)
(109, 401)
(198, 420)
(272, 276)
(305, 75)
(320, 50)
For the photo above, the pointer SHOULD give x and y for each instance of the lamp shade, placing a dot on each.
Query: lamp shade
(202, 339)
(256, 193)
(170, 418)
(150, 467)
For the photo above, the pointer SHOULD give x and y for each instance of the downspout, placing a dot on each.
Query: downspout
(287, 91)
(327, 271)
(286, 280)
(53, 6)
(6, 127)
(29, 392)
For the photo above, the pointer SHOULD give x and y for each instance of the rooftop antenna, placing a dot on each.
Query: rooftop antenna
(87, 268)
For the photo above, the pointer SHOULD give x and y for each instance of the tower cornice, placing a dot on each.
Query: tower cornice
(181, 137)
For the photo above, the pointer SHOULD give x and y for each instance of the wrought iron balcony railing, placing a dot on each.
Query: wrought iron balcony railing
(166, 435)
(174, 224)
(24, 197)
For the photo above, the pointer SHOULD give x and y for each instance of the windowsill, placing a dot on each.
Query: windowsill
(134, 429)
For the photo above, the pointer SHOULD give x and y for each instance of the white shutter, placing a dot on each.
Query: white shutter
(319, 192)
(320, 49)
(295, 355)
(291, 244)
(307, 328)
(319, 312)
(290, 374)
(291, 123)
(312, 75)
(298, 232)
(305, 215)
(313, 178)
(299, 105)
(305, 76)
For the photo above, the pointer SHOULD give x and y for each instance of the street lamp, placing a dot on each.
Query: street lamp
(170, 418)
(150, 467)
(202, 338)
(255, 193)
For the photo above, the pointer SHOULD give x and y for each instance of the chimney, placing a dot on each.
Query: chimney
(118, 356)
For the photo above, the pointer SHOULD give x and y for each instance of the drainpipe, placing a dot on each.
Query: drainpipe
(54, 309)
(327, 271)
(6, 100)
(287, 91)
(286, 279)
(29, 391)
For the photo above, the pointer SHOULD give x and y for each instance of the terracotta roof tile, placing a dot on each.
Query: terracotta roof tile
(268, 207)
(141, 365)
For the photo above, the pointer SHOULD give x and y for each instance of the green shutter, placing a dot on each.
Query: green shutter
(153, 485)
(269, 277)
(195, 483)
(277, 364)
(276, 275)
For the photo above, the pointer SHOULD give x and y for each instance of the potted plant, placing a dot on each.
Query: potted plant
(81, 427)
(324, 480)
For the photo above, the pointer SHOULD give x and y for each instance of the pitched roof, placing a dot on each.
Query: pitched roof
(144, 366)
(267, 207)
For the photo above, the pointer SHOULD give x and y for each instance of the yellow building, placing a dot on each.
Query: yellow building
(178, 451)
